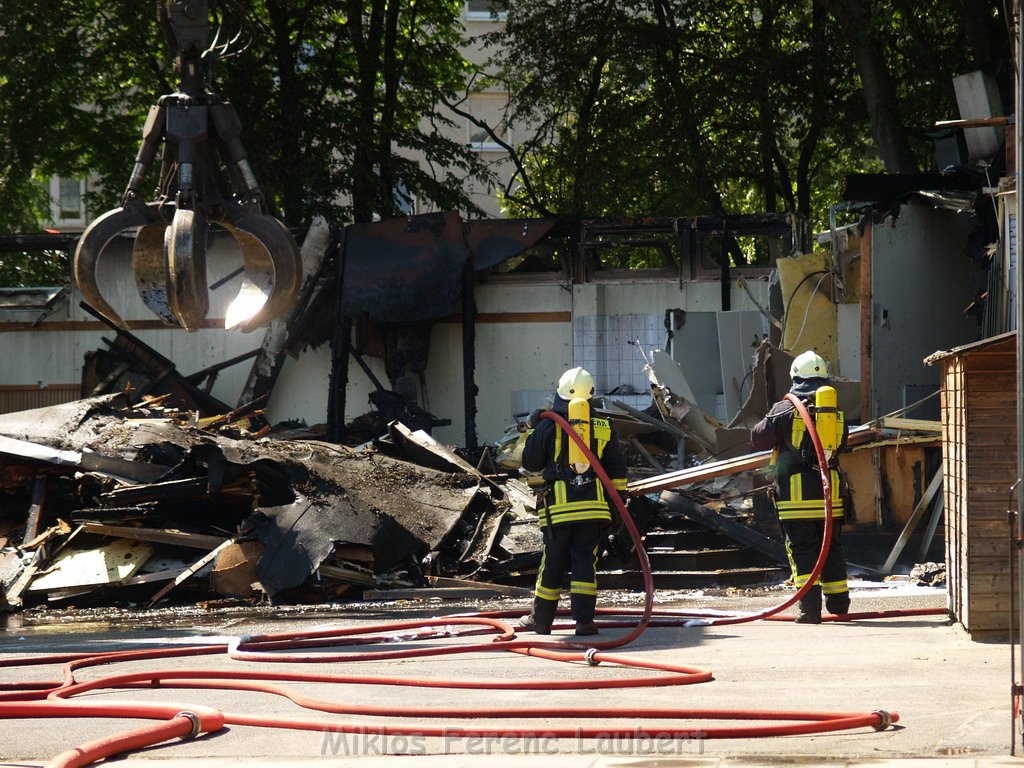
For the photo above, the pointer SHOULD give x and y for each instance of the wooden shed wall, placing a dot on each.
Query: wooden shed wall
(25, 398)
(980, 463)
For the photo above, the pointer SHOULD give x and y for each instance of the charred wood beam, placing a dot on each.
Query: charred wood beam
(176, 490)
(35, 511)
(38, 242)
(147, 360)
(875, 187)
(727, 527)
(341, 348)
(320, 243)
(469, 387)
(212, 370)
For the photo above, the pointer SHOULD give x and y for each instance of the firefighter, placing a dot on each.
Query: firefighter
(799, 500)
(573, 507)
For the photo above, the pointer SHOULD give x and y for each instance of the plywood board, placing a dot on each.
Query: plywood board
(110, 564)
(739, 334)
(810, 319)
(848, 344)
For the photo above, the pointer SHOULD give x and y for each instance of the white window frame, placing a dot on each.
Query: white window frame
(56, 213)
(488, 144)
(482, 15)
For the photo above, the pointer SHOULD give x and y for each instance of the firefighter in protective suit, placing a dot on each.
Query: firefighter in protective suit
(573, 507)
(799, 500)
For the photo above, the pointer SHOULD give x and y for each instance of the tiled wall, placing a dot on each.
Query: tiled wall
(601, 345)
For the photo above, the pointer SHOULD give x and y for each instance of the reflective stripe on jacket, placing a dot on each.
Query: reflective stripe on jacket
(804, 498)
(798, 486)
(567, 497)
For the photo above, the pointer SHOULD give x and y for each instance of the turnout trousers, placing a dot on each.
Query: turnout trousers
(803, 543)
(569, 548)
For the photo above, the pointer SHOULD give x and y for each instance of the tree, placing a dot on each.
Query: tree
(337, 101)
(647, 107)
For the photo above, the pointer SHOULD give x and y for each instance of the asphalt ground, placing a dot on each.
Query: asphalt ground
(952, 694)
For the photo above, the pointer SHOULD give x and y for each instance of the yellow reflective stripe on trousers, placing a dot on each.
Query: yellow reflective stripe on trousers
(804, 511)
(583, 587)
(792, 562)
(573, 517)
(547, 594)
(834, 587)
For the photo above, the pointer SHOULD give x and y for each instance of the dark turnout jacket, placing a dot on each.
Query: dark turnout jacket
(798, 486)
(568, 497)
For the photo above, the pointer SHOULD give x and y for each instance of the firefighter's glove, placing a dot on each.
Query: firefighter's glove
(534, 418)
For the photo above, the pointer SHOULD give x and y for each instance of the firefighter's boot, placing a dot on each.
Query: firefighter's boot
(541, 617)
(838, 603)
(810, 607)
(583, 609)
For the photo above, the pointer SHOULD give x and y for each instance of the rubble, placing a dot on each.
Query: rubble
(159, 494)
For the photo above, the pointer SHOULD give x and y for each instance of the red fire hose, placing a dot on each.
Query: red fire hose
(39, 699)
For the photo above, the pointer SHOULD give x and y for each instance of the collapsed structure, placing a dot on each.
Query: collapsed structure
(127, 502)
(456, 329)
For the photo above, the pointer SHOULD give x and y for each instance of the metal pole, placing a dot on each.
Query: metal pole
(1019, 275)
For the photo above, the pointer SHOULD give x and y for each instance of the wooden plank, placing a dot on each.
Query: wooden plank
(506, 590)
(13, 594)
(150, 578)
(691, 475)
(715, 469)
(915, 517)
(109, 564)
(933, 525)
(156, 535)
(192, 569)
(919, 440)
(58, 529)
(426, 593)
(914, 425)
(345, 574)
(716, 522)
(35, 510)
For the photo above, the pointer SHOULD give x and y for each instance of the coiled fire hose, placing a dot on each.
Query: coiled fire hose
(55, 699)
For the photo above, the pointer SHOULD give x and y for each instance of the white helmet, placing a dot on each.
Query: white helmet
(576, 382)
(809, 365)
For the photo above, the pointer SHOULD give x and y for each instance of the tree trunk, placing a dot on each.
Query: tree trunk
(876, 82)
(290, 135)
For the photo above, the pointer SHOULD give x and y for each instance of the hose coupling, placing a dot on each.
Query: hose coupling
(197, 725)
(589, 657)
(884, 718)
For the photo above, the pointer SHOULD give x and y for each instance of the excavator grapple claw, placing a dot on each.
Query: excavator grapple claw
(206, 182)
(92, 243)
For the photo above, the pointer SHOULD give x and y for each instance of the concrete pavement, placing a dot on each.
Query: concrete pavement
(952, 694)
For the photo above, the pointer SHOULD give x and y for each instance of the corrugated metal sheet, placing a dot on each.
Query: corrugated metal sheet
(15, 398)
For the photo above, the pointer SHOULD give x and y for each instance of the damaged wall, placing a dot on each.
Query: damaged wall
(525, 339)
(51, 353)
(921, 279)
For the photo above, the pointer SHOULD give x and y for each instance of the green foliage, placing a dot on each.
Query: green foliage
(336, 99)
(678, 107)
(33, 268)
